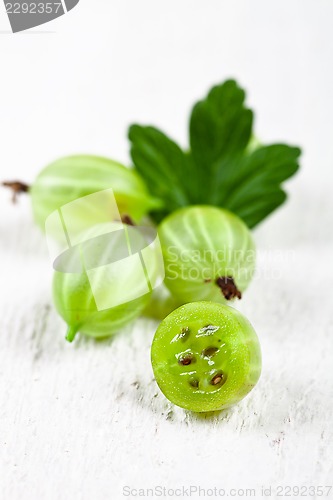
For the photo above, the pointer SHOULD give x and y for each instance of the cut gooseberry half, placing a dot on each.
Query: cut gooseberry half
(206, 356)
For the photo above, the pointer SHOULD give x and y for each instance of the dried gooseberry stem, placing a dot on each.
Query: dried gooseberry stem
(228, 287)
(126, 219)
(17, 188)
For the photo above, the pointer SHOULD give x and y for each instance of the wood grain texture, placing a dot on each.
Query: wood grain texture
(82, 421)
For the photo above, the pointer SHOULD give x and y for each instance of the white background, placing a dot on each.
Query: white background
(81, 421)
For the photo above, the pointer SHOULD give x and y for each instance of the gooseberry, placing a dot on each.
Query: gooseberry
(105, 281)
(208, 252)
(205, 356)
(74, 177)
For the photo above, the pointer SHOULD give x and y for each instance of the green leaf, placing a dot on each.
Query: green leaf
(162, 164)
(221, 168)
(220, 125)
(249, 185)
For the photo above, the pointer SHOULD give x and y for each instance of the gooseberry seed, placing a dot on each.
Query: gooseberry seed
(209, 352)
(186, 360)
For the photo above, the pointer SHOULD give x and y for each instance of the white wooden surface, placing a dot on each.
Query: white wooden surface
(83, 421)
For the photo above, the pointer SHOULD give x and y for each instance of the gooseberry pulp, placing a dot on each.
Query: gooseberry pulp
(104, 282)
(73, 177)
(206, 356)
(208, 252)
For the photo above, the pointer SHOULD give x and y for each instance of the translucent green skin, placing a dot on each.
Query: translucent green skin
(75, 303)
(72, 291)
(161, 304)
(200, 244)
(221, 343)
(73, 177)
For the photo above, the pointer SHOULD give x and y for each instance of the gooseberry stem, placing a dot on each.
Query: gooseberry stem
(126, 219)
(71, 333)
(17, 188)
(228, 287)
